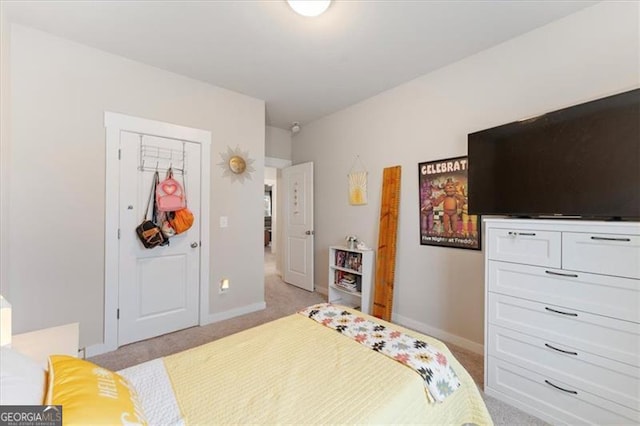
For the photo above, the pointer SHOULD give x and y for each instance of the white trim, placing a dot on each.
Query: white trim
(205, 242)
(439, 334)
(278, 163)
(116, 123)
(155, 128)
(232, 313)
(111, 223)
(277, 221)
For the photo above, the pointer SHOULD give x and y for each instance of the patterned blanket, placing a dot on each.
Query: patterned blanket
(439, 378)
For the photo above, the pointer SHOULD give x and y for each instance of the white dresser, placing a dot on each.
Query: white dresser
(562, 319)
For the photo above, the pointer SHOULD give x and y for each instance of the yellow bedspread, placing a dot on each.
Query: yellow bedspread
(295, 371)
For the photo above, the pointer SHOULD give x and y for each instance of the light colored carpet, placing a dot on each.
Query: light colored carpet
(283, 299)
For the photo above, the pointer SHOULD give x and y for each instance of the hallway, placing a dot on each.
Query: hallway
(280, 296)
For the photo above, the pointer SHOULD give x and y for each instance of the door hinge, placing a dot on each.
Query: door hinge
(118, 233)
(119, 154)
(118, 313)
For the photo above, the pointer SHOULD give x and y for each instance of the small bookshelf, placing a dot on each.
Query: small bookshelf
(350, 277)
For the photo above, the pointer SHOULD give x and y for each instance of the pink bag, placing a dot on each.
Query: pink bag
(169, 194)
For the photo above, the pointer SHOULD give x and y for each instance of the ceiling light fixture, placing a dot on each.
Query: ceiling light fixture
(295, 127)
(309, 7)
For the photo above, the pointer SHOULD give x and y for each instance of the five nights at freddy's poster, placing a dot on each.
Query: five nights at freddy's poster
(444, 216)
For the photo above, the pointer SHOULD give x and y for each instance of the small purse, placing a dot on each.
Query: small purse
(149, 233)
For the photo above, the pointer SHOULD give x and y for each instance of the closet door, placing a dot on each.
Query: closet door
(158, 289)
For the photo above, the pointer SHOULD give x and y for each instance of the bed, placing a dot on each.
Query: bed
(296, 371)
(293, 370)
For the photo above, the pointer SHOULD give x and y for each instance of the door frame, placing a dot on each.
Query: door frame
(279, 164)
(114, 124)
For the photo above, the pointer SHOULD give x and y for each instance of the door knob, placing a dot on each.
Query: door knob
(309, 232)
(194, 245)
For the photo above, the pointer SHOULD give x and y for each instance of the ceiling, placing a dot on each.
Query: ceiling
(304, 68)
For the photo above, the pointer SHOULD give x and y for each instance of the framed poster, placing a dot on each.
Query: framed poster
(444, 216)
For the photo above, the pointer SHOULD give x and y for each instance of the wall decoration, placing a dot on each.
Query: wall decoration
(358, 188)
(236, 164)
(357, 184)
(296, 209)
(444, 216)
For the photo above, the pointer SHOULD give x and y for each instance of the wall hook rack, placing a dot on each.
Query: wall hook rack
(165, 158)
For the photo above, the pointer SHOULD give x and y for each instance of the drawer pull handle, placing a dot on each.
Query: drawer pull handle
(626, 240)
(571, 314)
(561, 274)
(526, 234)
(559, 388)
(560, 350)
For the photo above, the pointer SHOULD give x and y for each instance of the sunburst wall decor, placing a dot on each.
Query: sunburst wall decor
(357, 184)
(236, 164)
(358, 188)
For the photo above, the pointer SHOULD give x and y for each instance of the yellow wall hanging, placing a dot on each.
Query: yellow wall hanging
(357, 184)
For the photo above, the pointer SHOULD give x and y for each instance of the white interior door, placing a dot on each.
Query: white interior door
(298, 228)
(158, 289)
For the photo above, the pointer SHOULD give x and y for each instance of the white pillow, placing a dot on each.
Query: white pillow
(22, 380)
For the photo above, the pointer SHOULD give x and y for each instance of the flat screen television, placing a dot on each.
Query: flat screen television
(579, 161)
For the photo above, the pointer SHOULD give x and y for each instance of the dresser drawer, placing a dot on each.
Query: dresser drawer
(599, 294)
(538, 392)
(599, 335)
(600, 376)
(542, 248)
(610, 254)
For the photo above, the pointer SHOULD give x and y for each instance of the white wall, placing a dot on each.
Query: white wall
(270, 174)
(278, 143)
(5, 150)
(440, 290)
(60, 91)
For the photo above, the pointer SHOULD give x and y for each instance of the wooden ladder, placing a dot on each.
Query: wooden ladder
(386, 261)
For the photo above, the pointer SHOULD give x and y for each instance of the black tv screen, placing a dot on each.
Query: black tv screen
(578, 161)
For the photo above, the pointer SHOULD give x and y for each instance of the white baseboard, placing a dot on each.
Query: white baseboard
(439, 334)
(232, 313)
(101, 348)
(97, 349)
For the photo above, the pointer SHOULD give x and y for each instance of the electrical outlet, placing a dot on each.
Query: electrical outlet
(224, 221)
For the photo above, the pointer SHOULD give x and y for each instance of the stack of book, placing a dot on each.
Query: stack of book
(347, 282)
